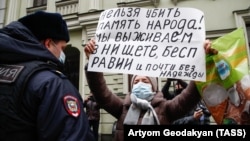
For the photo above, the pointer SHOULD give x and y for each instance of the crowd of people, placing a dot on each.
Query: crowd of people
(40, 103)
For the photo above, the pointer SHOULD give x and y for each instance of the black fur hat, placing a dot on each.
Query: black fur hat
(46, 25)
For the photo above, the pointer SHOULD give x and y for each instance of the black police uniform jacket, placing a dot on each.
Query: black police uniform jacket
(50, 107)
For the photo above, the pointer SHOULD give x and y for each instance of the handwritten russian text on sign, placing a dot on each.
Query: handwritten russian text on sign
(165, 42)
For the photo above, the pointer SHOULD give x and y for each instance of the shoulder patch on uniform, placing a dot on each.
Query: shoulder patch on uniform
(71, 105)
(9, 73)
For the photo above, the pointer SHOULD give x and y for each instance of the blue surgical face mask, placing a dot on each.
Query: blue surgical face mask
(62, 57)
(143, 91)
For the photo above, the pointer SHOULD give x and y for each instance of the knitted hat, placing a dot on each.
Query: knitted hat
(46, 25)
(153, 81)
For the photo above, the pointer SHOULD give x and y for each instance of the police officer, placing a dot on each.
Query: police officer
(37, 101)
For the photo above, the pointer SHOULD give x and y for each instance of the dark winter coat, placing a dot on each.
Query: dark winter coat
(51, 108)
(166, 110)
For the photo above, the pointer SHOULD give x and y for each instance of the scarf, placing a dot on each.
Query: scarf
(150, 117)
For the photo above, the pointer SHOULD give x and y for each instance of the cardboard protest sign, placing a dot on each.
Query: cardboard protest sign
(226, 91)
(164, 42)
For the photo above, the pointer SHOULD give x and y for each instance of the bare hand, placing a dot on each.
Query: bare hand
(208, 48)
(89, 48)
(198, 114)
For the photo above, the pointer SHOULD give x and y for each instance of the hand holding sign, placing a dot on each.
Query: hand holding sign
(89, 48)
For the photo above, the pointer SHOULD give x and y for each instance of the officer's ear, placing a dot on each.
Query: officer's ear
(48, 43)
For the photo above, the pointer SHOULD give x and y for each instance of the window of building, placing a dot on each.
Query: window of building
(248, 33)
(72, 65)
(243, 20)
(2, 12)
(39, 3)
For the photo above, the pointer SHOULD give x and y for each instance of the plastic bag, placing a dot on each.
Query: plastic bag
(226, 91)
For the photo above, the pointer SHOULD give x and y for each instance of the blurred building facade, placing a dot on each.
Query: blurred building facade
(221, 17)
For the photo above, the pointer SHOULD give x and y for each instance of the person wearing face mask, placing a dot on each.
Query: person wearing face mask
(145, 105)
(38, 102)
(62, 56)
